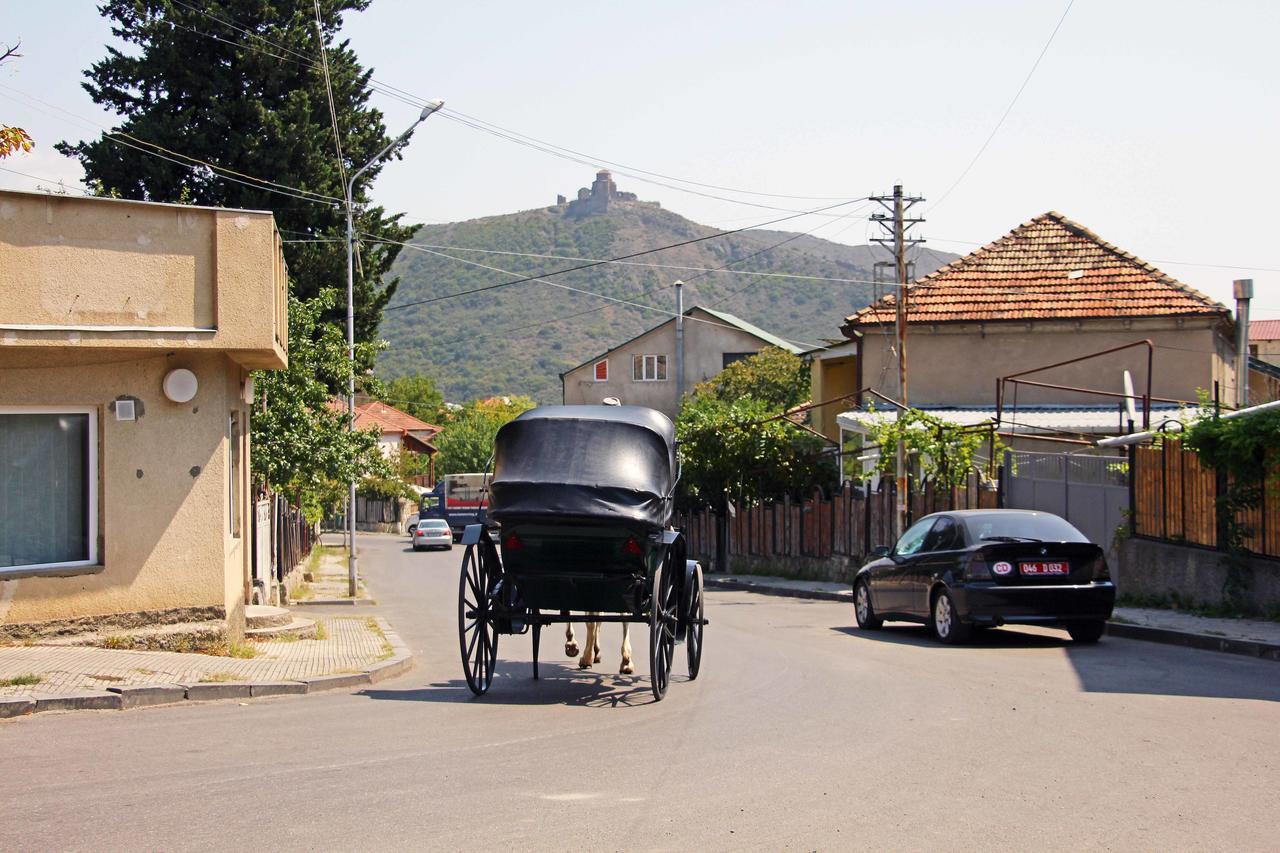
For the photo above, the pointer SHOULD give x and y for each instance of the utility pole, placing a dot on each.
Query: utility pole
(679, 345)
(896, 225)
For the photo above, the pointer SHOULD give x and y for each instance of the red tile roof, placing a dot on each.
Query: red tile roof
(1048, 268)
(386, 418)
(1264, 330)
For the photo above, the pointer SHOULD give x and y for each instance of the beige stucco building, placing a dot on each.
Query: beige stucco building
(642, 371)
(1047, 292)
(128, 331)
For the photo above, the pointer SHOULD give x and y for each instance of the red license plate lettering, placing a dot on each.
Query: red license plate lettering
(1037, 569)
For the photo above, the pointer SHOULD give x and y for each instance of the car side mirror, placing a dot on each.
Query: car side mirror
(880, 552)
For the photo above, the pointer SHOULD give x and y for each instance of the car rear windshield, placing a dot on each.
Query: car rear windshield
(1040, 526)
(433, 525)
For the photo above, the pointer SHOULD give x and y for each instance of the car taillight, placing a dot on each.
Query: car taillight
(632, 547)
(1099, 570)
(513, 543)
(977, 568)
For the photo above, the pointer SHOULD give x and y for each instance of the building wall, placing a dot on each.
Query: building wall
(704, 343)
(163, 490)
(959, 364)
(1267, 350)
(126, 275)
(830, 378)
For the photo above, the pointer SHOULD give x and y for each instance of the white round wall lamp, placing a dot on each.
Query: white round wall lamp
(248, 392)
(180, 385)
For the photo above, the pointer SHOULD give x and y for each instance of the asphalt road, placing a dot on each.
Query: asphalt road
(801, 732)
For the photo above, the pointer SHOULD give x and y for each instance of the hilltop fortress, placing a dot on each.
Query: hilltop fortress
(596, 199)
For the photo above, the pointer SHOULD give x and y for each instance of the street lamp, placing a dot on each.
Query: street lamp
(430, 108)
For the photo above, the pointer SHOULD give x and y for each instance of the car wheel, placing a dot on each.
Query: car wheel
(1087, 632)
(862, 609)
(416, 548)
(944, 620)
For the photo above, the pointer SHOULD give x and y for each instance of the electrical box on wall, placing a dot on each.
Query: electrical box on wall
(124, 410)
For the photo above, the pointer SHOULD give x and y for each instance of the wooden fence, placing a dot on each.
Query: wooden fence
(1175, 499)
(848, 523)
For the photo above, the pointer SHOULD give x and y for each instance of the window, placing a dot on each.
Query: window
(946, 535)
(913, 539)
(730, 357)
(649, 368)
(602, 370)
(48, 488)
(233, 473)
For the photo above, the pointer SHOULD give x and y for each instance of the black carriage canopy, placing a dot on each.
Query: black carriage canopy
(596, 463)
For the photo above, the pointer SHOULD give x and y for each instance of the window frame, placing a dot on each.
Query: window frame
(643, 361)
(595, 370)
(92, 485)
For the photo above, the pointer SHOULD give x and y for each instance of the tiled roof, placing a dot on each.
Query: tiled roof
(385, 418)
(1264, 330)
(1048, 268)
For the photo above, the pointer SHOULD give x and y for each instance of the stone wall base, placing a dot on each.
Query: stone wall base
(834, 569)
(1192, 576)
(110, 622)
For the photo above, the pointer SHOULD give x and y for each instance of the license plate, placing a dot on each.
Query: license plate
(1038, 568)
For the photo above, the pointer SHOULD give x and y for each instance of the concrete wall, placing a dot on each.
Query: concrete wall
(1268, 350)
(1195, 575)
(704, 344)
(126, 275)
(163, 491)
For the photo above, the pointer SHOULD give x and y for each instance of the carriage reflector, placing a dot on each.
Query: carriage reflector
(513, 543)
(632, 547)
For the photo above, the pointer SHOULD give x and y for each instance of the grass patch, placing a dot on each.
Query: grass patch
(372, 624)
(21, 680)
(241, 650)
(213, 677)
(1189, 605)
(116, 641)
(322, 630)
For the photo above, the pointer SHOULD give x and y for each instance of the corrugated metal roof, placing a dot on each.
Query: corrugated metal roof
(1264, 330)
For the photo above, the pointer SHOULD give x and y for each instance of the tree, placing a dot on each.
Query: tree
(416, 394)
(302, 447)
(945, 452)
(466, 444)
(239, 86)
(12, 139)
(773, 376)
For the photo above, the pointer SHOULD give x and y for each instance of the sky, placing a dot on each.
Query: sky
(1152, 123)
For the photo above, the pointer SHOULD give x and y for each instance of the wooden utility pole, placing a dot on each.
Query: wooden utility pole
(897, 226)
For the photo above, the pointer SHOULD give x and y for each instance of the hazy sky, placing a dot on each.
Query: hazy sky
(1153, 123)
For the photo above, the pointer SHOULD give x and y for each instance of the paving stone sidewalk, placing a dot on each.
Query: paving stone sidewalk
(353, 644)
(1253, 637)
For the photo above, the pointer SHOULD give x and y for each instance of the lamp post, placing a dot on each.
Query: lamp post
(430, 108)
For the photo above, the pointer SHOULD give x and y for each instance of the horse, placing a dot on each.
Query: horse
(591, 646)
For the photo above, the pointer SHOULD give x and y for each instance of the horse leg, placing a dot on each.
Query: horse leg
(590, 644)
(627, 667)
(570, 643)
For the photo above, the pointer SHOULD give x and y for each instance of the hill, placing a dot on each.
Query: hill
(518, 339)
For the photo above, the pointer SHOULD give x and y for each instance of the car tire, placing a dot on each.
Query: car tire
(1087, 632)
(944, 620)
(416, 548)
(862, 609)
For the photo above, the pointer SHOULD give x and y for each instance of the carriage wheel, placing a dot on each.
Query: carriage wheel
(695, 616)
(477, 631)
(663, 615)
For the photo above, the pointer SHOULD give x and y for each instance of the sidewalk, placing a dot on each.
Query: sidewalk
(1252, 637)
(350, 651)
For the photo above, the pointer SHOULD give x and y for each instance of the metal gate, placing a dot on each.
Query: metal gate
(1091, 492)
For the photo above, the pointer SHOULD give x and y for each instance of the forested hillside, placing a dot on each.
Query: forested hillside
(518, 339)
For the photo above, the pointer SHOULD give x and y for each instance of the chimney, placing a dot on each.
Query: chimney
(1243, 288)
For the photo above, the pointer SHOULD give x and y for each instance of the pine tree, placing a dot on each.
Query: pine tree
(239, 84)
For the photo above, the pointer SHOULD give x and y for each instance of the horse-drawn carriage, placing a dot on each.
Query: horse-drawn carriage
(580, 520)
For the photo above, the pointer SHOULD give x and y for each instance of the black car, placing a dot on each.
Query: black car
(955, 571)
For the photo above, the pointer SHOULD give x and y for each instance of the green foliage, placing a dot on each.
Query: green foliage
(466, 445)
(416, 394)
(301, 446)
(12, 139)
(740, 447)
(773, 376)
(214, 94)
(1242, 450)
(944, 453)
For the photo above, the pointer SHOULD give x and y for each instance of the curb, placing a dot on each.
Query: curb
(1206, 642)
(748, 586)
(1125, 630)
(145, 695)
(330, 602)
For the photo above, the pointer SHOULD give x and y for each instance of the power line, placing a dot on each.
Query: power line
(1007, 109)
(599, 263)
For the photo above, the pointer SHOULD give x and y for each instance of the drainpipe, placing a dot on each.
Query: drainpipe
(679, 345)
(1244, 292)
